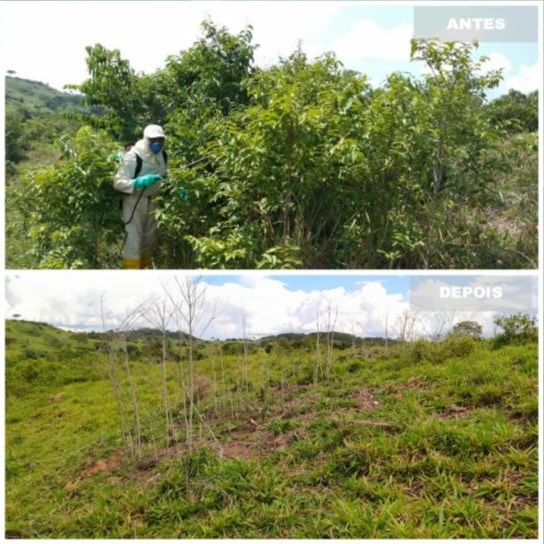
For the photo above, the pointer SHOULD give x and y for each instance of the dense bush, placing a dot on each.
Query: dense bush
(516, 329)
(300, 165)
(71, 210)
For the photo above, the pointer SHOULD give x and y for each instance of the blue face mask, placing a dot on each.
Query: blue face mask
(155, 147)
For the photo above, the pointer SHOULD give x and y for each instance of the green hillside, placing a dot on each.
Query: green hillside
(35, 98)
(109, 437)
(37, 116)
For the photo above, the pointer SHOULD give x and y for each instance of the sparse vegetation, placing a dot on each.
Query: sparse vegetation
(406, 440)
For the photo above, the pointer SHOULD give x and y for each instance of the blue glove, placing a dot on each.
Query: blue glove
(142, 182)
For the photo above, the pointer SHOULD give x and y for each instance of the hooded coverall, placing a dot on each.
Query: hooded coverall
(138, 205)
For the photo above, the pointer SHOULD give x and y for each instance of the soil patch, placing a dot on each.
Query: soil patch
(109, 464)
(365, 400)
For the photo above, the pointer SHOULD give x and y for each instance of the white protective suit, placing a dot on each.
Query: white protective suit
(138, 205)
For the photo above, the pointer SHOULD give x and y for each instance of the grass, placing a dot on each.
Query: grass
(393, 445)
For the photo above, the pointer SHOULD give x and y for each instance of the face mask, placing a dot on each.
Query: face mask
(155, 147)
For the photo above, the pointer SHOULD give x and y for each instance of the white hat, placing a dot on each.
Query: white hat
(154, 131)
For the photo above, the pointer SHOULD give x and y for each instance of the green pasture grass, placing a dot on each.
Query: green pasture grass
(396, 444)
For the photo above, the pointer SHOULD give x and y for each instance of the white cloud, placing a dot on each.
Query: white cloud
(147, 32)
(74, 298)
(496, 61)
(528, 78)
(263, 306)
(248, 306)
(46, 41)
(278, 27)
(524, 78)
(367, 40)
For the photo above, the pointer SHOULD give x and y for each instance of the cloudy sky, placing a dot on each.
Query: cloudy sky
(259, 304)
(45, 40)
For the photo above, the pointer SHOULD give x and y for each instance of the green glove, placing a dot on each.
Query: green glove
(142, 182)
(182, 193)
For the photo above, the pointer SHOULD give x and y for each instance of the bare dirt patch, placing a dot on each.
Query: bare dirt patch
(365, 400)
(238, 449)
(109, 464)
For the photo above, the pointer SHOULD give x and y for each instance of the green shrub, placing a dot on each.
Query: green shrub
(517, 329)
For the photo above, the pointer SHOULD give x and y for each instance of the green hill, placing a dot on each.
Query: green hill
(109, 437)
(36, 117)
(33, 98)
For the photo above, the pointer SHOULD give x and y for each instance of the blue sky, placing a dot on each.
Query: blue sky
(46, 40)
(350, 281)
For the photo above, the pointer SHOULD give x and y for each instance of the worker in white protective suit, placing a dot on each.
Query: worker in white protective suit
(139, 177)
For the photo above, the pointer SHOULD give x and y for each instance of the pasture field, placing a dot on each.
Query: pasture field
(276, 440)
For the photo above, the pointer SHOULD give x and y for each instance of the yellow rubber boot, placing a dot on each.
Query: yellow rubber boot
(147, 260)
(131, 264)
